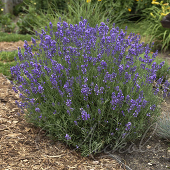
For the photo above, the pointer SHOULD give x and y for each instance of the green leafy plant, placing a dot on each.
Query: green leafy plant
(1, 8)
(19, 7)
(75, 9)
(155, 31)
(88, 10)
(119, 11)
(164, 71)
(35, 16)
(6, 22)
(27, 20)
(13, 37)
(91, 10)
(56, 5)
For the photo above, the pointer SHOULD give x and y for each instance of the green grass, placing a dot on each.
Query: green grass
(132, 27)
(7, 58)
(13, 37)
(7, 61)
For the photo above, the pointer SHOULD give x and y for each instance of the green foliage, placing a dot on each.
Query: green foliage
(40, 5)
(155, 32)
(24, 24)
(35, 15)
(7, 61)
(13, 37)
(27, 20)
(119, 11)
(164, 71)
(58, 5)
(6, 22)
(163, 126)
(90, 11)
(1, 7)
(8, 56)
(19, 8)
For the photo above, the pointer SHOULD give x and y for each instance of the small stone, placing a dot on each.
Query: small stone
(95, 162)
(148, 146)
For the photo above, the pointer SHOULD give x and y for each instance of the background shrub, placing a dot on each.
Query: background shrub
(56, 5)
(6, 22)
(19, 7)
(28, 19)
(1, 7)
(90, 11)
(122, 11)
(155, 31)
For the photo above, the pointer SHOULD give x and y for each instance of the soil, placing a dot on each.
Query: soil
(12, 46)
(26, 147)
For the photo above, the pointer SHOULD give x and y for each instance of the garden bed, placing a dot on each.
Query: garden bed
(25, 146)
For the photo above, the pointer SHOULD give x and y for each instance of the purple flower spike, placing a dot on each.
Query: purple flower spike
(128, 125)
(40, 89)
(37, 109)
(68, 103)
(67, 137)
(84, 115)
(51, 25)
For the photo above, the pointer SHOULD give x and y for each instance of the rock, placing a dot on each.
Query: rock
(166, 21)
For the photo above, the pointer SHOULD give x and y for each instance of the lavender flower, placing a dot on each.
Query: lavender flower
(37, 109)
(128, 125)
(51, 25)
(68, 137)
(84, 115)
(68, 103)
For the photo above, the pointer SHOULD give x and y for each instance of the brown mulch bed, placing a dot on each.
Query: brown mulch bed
(11, 46)
(23, 146)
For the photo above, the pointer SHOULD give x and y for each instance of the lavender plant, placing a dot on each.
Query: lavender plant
(86, 87)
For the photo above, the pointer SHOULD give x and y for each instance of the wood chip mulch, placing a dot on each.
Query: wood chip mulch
(25, 147)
